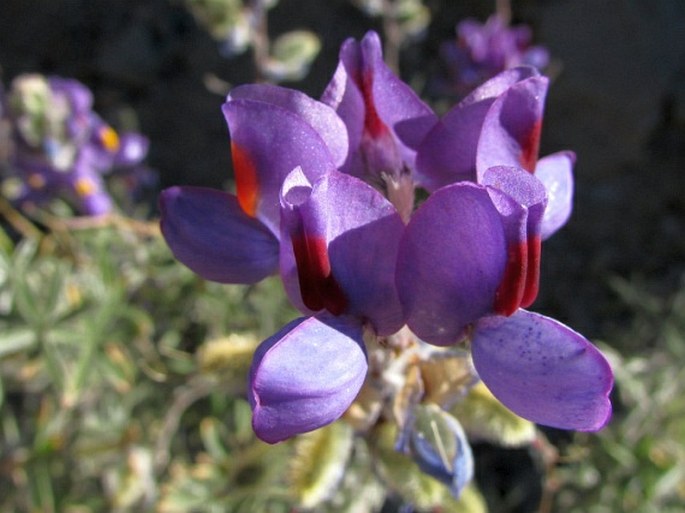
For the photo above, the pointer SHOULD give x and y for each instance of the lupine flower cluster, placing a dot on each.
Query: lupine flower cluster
(406, 304)
(57, 147)
(482, 50)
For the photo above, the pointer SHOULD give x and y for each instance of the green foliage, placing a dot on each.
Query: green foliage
(318, 463)
(115, 383)
(123, 383)
(485, 418)
(638, 462)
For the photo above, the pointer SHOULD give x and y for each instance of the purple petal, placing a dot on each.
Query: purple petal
(208, 232)
(386, 119)
(351, 235)
(274, 130)
(511, 130)
(87, 186)
(556, 173)
(306, 376)
(543, 371)
(500, 83)
(79, 96)
(345, 96)
(451, 261)
(448, 153)
(397, 104)
(523, 265)
(133, 148)
(96, 204)
(318, 115)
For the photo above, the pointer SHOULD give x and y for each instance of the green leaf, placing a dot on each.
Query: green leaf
(470, 501)
(319, 463)
(484, 417)
(14, 340)
(292, 54)
(6, 244)
(213, 434)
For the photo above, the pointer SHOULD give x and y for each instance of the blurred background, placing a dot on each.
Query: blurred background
(616, 273)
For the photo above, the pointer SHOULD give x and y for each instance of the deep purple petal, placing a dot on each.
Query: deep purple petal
(320, 116)
(451, 261)
(523, 264)
(274, 130)
(397, 104)
(556, 173)
(386, 119)
(305, 261)
(351, 233)
(500, 83)
(344, 95)
(208, 232)
(543, 371)
(511, 130)
(448, 153)
(515, 222)
(306, 376)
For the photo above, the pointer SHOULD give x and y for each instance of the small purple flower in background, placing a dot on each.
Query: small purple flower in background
(325, 198)
(482, 50)
(60, 148)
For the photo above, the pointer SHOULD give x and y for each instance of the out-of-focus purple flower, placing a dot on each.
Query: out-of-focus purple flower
(60, 147)
(314, 205)
(482, 50)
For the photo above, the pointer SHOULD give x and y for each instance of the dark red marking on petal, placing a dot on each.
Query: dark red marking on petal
(373, 124)
(318, 287)
(512, 287)
(246, 182)
(533, 272)
(530, 147)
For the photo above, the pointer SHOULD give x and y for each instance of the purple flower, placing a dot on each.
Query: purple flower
(455, 283)
(61, 148)
(324, 190)
(235, 238)
(306, 375)
(332, 238)
(384, 117)
(339, 239)
(482, 50)
(499, 124)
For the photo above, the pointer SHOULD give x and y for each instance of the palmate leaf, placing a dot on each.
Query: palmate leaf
(483, 417)
(318, 463)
